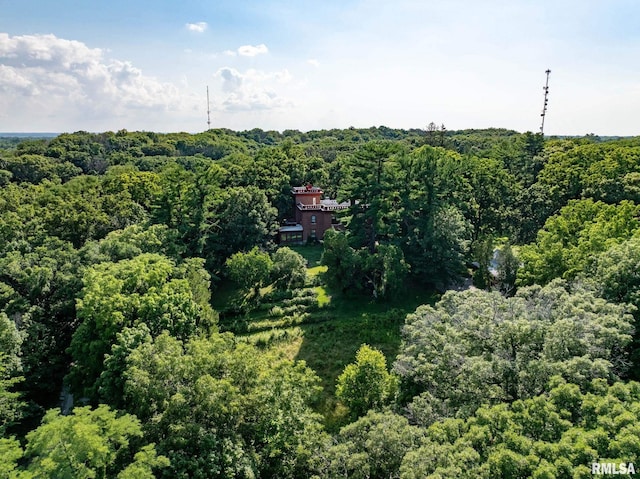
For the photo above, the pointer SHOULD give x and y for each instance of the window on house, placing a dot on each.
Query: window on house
(313, 219)
(313, 234)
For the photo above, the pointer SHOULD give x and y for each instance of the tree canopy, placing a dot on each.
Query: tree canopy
(477, 347)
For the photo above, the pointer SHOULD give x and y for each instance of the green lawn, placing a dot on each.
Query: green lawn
(312, 253)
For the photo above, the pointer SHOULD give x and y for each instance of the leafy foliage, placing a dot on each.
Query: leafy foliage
(476, 347)
(219, 408)
(289, 269)
(380, 273)
(10, 368)
(613, 274)
(251, 269)
(100, 240)
(569, 241)
(148, 289)
(371, 447)
(558, 434)
(38, 284)
(87, 444)
(366, 384)
(237, 220)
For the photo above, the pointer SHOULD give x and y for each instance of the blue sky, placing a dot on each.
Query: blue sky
(92, 65)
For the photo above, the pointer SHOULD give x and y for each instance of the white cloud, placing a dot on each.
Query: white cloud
(231, 79)
(252, 51)
(252, 90)
(12, 80)
(198, 27)
(313, 62)
(247, 51)
(39, 50)
(63, 78)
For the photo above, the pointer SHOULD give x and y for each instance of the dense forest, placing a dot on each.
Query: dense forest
(473, 317)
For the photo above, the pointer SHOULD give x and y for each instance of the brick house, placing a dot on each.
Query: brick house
(313, 216)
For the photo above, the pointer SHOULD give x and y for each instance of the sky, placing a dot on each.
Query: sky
(96, 65)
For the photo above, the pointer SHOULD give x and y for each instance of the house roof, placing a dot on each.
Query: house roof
(306, 189)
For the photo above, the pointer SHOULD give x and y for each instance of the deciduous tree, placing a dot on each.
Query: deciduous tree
(147, 289)
(250, 270)
(289, 269)
(366, 384)
(478, 347)
(87, 444)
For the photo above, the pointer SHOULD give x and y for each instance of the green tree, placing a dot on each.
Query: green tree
(143, 186)
(481, 188)
(10, 369)
(371, 447)
(87, 444)
(147, 289)
(507, 265)
(236, 219)
(110, 384)
(250, 270)
(133, 241)
(439, 247)
(368, 191)
(570, 240)
(39, 279)
(5, 177)
(217, 408)
(613, 274)
(11, 405)
(380, 273)
(180, 203)
(366, 384)
(81, 210)
(344, 271)
(557, 434)
(483, 254)
(10, 342)
(384, 271)
(289, 269)
(146, 461)
(428, 225)
(11, 453)
(35, 168)
(496, 349)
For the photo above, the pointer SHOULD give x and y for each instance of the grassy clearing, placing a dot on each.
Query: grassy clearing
(323, 297)
(321, 327)
(312, 253)
(316, 271)
(328, 346)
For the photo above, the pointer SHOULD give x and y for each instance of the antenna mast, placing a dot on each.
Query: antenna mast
(546, 101)
(208, 110)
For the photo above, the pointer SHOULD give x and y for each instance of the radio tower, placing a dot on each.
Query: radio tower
(208, 111)
(546, 101)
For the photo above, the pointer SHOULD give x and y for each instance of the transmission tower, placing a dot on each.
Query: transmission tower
(546, 101)
(208, 110)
